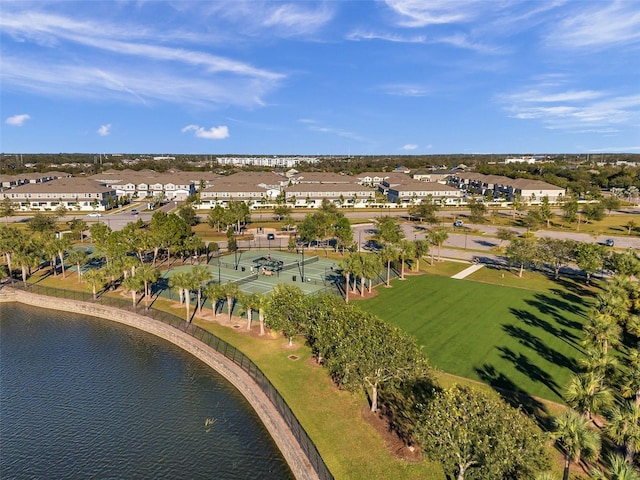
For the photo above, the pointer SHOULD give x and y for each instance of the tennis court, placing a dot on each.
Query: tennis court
(259, 272)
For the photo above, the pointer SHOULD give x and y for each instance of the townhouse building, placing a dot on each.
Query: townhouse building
(310, 195)
(79, 194)
(406, 191)
(499, 187)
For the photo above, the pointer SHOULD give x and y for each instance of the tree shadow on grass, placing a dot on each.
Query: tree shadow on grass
(524, 366)
(514, 395)
(528, 340)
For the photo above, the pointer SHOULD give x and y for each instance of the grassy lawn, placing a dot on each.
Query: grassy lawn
(512, 338)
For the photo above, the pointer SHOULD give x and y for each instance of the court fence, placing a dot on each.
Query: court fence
(216, 343)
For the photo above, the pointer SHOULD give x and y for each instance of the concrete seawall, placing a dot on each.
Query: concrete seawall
(269, 416)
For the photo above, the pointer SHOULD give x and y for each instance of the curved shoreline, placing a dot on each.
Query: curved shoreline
(262, 405)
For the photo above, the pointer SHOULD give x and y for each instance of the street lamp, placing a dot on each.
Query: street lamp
(302, 265)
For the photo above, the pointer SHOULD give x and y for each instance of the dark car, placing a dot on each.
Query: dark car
(271, 236)
(609, 242)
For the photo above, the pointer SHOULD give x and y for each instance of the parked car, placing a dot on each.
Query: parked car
(94, 214)
(609, 242)
(134, 212)
(271, 236)
(458, 223)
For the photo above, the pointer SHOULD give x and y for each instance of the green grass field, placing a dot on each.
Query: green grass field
(512, 338)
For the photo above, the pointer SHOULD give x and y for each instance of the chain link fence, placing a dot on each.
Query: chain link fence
(220, 346)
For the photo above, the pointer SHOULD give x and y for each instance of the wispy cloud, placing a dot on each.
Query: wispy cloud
(409, 146)
(598, 25)
(315, 126)
(407, 90)
(579, 111)
(388, 37)
(278, 19)
(210, 78)
(104, 130)
(418, 13)
(17, 120)
(214, 133)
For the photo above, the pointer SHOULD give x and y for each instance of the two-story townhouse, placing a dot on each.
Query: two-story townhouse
(79, 194)
(506, 188)
(310, 195)
(412, 191)
(373, 179)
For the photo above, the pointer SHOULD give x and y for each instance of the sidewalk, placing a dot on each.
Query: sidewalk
(467, 271)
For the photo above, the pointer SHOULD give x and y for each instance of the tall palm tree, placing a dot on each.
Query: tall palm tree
(388, 254)
(133, 284)
(576, 438)
(177, 282)
(602, 330)
(372, 266)
(78, 258)
(438, 236)
(231, 291)
(202, 275)
(95, 278)
(250, 303)
(27, 257)
(10, 241)
(587, 393)
(420, 248)
(405, 250)
(148, 275)
(630, 387)
(358, 269)
(262, 304)
(598, 361)
(347, 268)
(617, 469)
(215, 293)
(623, 427)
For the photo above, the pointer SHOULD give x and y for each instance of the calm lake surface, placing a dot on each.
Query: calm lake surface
(84, 398)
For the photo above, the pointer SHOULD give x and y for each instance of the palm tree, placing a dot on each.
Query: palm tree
(231, 291)
(177, 282)
(94, 278)
(587, 393)
(438, 236)
(575, 437)
(202, 275)
(347, 267)
(405, 250)
(78, 258)
(262, 304)
(133, 284)
(214, 292)
(598, 361)
(148, 275)
(372, 265)
(623, 427)
(358, 271)
(420, 248)
(10, 240)
(388, 254)
(27, 257)
(250, 302)
(631, 381)
(618, 469)
(602, 331)
(61, 245)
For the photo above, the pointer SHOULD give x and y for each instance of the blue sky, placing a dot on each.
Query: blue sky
(305, 77)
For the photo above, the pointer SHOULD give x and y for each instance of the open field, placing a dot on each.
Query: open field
(511, 338)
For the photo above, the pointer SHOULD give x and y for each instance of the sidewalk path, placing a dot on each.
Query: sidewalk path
(467, 271)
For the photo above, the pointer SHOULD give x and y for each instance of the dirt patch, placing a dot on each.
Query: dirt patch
(395, 445)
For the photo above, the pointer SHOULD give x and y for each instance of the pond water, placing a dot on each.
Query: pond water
(85, 398)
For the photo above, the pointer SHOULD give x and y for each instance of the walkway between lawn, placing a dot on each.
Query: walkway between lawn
(467, 271)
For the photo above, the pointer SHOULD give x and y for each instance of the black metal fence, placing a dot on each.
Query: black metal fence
(220, 346)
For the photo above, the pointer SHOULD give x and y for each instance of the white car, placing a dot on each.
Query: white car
(94, 214)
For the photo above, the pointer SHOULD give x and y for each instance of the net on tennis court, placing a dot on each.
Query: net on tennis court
(297, 264)
(248, 279)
